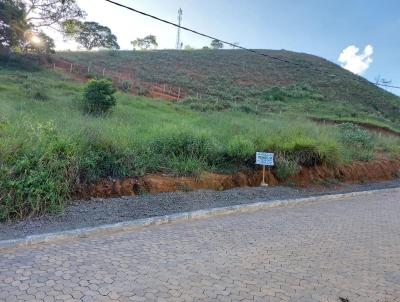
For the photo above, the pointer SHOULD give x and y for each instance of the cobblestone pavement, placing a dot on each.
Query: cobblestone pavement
(316, 252)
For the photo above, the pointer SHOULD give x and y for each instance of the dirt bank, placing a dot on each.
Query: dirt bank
(357, 172)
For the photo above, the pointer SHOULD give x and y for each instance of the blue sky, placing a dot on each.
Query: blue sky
(323, 28)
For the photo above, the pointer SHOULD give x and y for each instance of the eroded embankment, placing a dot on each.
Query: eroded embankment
(358, 172)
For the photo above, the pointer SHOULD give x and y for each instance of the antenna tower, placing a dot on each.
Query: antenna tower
(178, 38)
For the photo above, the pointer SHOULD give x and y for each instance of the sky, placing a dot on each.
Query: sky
(362, 36)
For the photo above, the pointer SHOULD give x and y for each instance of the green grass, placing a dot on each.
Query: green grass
(48, 145)
(240, 79)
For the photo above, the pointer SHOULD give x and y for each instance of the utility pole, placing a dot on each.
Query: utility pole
(178, 38)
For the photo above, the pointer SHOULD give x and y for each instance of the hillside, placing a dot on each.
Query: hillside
(236, 77)
(49, 147)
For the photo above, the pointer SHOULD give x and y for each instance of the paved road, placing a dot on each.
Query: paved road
(316, 252)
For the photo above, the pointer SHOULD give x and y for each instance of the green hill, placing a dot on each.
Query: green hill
(236, 78)
(49, 146)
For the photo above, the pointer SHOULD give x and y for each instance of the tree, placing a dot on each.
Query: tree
(217, 44)
(40, 43)
(145, 43)
(13, 25)
(93, 35)
(51, 13)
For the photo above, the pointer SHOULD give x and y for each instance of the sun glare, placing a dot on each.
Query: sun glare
(36, 40)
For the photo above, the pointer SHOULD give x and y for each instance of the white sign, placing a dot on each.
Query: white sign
(265, 159)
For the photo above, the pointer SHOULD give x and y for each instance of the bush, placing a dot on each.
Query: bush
(38, 180)
(274, 94)
(125, 86)
(285, 168)
(141, 90)
(99, 97)
(358, 143)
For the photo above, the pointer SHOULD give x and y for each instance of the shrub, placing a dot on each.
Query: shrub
(125, 86)
(100, 158)
(285, 168)
(274, 94)
(40, 95)
(39, 180)
(99, 96)
(141, 90)
(358, 143)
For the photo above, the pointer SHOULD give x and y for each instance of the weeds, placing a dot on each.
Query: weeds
(41, 162)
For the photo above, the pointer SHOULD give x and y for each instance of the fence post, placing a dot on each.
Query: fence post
(54, 65)
(70, 69)
(179, 93)
(104, 71)
(88, 68)
(164, 89)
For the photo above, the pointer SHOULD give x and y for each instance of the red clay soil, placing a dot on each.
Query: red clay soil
(378, 170)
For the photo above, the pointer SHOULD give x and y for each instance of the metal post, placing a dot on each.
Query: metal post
(179, 92)
(70, 69)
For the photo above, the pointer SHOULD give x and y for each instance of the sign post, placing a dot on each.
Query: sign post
(264, 159)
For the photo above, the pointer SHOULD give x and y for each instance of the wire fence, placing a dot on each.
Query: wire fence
(126, 81)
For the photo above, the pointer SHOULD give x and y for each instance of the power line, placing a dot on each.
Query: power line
(389, 86)
(236, 45)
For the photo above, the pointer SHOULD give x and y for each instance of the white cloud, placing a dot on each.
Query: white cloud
(354, 61)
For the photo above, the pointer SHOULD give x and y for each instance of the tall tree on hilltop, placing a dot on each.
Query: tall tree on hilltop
(145, 43)
(94, 35)
(217, 44)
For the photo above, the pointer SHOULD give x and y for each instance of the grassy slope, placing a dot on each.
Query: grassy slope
(240, 77)
(47, 144)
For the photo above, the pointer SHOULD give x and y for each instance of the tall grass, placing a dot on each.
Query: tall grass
(48, 145)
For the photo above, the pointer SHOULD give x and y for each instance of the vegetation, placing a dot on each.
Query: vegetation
(50, 13)
(99, 97)
(92, 35)
(217, 44)
(12, 25)
(232, 79)
(145, 43)
(22, 23)
(49, 146)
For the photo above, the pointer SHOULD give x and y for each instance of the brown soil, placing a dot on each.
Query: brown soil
(358, 172)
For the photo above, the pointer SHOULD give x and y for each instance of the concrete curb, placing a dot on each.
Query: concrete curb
(179, 217)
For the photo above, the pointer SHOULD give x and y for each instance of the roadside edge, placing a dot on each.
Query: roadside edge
(132, 225)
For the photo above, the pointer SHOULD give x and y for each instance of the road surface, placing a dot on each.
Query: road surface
(314, 252)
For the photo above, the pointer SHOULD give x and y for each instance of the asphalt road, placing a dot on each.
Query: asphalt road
(314, 252)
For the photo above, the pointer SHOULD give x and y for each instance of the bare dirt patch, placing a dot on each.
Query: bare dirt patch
(358, 172)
